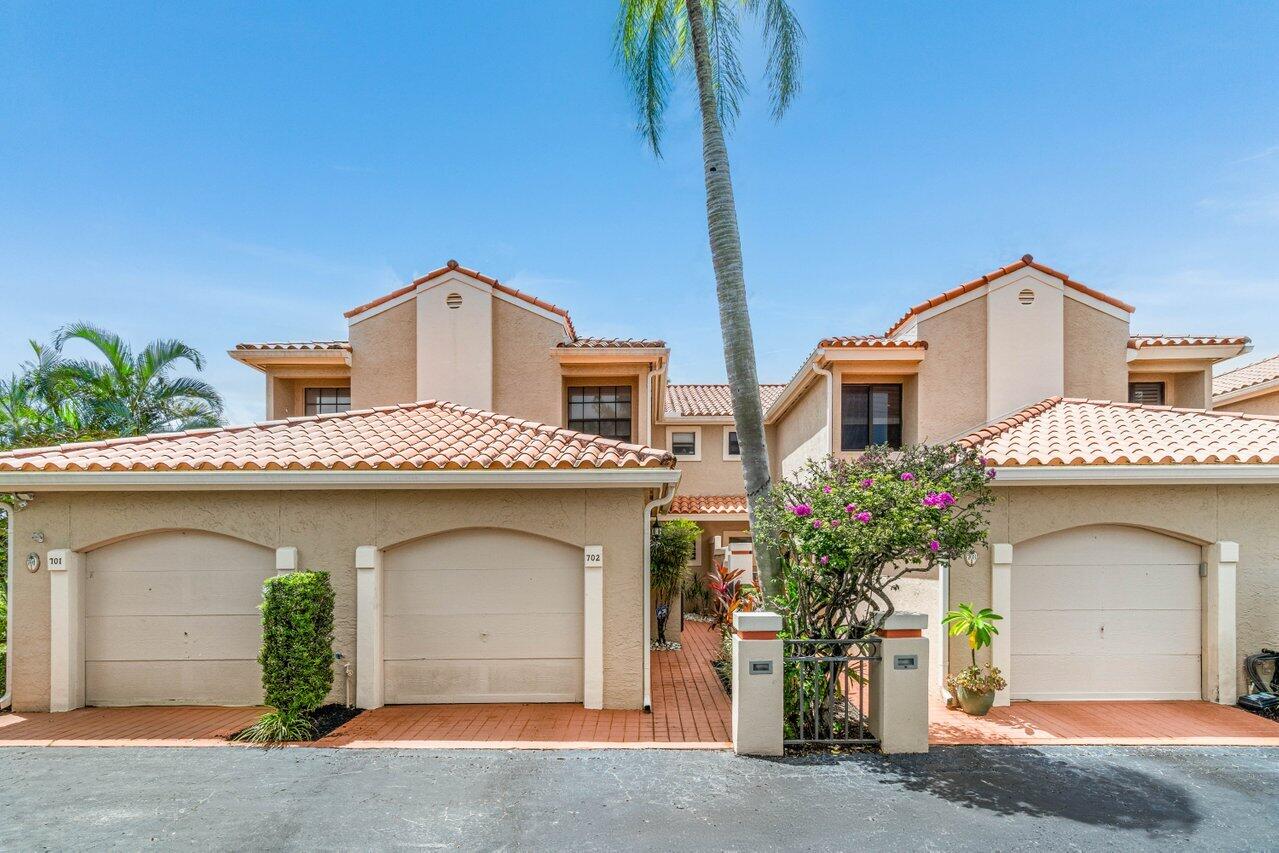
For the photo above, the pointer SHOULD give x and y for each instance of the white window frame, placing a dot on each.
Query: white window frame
(729, 457)
(697, 442)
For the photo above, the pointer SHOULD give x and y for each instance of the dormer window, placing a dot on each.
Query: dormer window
(327, 401)
(601, 410)
(870, 414)
(1146, 393)
(684, 443)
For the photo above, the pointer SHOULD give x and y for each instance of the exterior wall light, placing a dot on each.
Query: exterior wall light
(970, 557)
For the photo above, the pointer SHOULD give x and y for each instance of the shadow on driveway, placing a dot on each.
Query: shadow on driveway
(1073, 785)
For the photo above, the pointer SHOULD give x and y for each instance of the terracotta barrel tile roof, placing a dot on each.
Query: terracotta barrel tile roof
(296, 345)
(710, 401)
(1026, 261)
(1141, 341)
(1247, 376)
(708, 505)
(489, 280)
(613, 343)
(1098, 432)
(870, 341)
(413, 437)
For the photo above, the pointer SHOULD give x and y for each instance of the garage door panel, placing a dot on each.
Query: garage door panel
(480, 548)
(483, 680)
(481, 591)
(520, 636)
(1106, 544)
(1107, 632)
(219, 682)
(1054, 586)
(1074, 676)
(158, 638)
(185, 549)
(173, 592)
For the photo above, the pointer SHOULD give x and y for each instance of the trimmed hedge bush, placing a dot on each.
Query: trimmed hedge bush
(297, 641)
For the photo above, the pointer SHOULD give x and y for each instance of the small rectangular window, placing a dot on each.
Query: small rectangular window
(327, 401)
(684, 443)
(870, 414)
(733, 448)
(1146, 393)
(601, 410)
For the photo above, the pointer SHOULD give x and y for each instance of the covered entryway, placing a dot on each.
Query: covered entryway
(172, 618)
(483, 615)
(1105, 612)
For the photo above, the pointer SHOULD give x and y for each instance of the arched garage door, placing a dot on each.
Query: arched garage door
(172, 619)
(1105, 612)
(483, 615)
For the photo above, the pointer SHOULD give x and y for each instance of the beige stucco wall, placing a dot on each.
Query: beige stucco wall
(1201, 514)
(326, 527)
(712, 474)
(801, 433)
(526, 376)
(1263, 404)
(384, 358)
(952, 376)
(1096, 353)
(1193, 390)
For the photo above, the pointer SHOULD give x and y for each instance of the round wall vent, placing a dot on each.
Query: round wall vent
(453, 300)
(1026, 297)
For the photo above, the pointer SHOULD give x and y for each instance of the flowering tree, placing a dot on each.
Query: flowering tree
(848, 530)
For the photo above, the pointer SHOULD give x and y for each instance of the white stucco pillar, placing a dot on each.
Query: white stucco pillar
(66, 629)
(593, 628)
(1219, 661)
(286, 560)
(899, 685)
(369, 680)
(757, 684)
(1001, 601)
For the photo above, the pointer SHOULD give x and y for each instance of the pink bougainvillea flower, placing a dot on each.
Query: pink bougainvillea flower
(939, 500)
(867, 483)
(863, 517)
(817, 524)
(834, 522)
(990, 473)
(826, 489)
(850, 508)
(907, 476)
(825, 560)
(934, 545)
(802, 510)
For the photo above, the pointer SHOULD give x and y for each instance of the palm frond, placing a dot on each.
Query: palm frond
(646, 45)
(161, 354)
(111, 345)
(722, 32)
(784, 39)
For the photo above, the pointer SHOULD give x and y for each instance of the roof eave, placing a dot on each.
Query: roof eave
(1136, 475)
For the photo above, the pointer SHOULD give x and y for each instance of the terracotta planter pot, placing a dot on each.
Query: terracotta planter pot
(975, 704)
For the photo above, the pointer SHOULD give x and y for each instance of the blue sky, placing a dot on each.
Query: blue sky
(226, 172)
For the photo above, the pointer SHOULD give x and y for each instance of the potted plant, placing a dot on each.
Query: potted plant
(974, 687)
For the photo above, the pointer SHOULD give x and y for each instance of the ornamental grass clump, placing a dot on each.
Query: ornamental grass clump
(848, 530)
(296, 656)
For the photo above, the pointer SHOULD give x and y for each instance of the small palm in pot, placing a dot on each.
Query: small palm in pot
(974, 687)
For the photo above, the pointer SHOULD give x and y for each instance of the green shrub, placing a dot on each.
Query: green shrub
(671, 547)
(297, 642)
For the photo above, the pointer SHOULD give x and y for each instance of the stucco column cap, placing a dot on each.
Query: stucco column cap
(906, 622)
(759, 620)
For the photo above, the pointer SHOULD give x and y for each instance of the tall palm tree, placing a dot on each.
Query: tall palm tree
(653, 40)
(138, 394)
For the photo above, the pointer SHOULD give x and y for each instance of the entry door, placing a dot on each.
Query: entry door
(1105, 612)
(483, 615)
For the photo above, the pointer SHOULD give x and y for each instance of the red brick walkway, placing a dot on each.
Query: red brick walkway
(690, 709)
(152, 726)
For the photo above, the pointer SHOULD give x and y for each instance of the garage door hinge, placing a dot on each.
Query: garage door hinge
(1203, 570)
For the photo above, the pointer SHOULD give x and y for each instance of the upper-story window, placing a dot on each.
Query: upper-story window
(325, 401)
(1146, 393)
(684, 443)
(732, 448)
(601, 410)
(870, 414)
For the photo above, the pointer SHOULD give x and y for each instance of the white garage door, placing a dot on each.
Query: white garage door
(1105, 612)
(172, 619)
(483, 615)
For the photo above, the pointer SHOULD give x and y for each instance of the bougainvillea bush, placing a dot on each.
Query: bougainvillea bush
(848, 530)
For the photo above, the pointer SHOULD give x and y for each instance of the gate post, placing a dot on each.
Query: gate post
(899, 685)
(66, 629)
(368, 627)
(757, 684)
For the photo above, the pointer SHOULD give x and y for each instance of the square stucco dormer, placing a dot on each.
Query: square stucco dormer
(1025, 346)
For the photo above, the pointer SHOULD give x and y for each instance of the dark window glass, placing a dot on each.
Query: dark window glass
(325, 401)
(601, 410)
(684, 443)
(734, 449)
(871, 414)
(1146, 393)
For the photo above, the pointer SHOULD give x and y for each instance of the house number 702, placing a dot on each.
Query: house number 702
(594, 556)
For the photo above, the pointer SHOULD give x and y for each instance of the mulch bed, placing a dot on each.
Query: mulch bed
(326, 719)
(723, 671)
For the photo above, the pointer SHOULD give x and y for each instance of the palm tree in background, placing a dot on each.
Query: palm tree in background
(653, 44)
(138, 394)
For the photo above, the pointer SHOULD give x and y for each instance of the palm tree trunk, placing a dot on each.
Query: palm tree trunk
(730, 286)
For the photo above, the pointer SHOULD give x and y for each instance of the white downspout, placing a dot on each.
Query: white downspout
(666, 496)
(7, 699)
(830, 406)
(654, 379)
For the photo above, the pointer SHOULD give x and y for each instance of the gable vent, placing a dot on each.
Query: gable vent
(453, 300)
(1026, 297)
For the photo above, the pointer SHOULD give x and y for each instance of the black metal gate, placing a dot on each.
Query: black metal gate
(827, 689)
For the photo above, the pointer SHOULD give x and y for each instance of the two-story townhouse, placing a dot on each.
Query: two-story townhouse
(492, 547)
